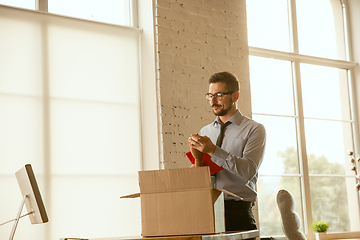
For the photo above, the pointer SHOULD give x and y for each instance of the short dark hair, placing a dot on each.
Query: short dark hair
(231, 81)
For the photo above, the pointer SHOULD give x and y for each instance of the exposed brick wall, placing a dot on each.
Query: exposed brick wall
(196, 38)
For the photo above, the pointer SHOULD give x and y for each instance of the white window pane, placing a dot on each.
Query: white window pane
(20, 66)
(94, 138)
(270, 218)
(325, 92)
(28, 4)
(21, 138)
(101, 62)
(328, 206)
(108, 11)
(271, 86)
(90, 206)
(280, 144)
(327, 143)
(316, 28)
(267, 23)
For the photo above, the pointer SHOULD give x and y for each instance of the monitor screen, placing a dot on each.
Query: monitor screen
(28, 186)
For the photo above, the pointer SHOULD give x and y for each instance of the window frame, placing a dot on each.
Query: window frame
(150, 150)
(296, 59)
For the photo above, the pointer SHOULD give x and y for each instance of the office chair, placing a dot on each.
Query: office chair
(290, 219)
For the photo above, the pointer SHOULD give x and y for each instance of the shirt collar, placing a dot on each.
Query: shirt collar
(236, 118)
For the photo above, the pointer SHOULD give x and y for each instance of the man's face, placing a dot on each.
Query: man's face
(223, 106)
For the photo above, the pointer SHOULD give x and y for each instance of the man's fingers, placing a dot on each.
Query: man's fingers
(191, 141)
(195, 139)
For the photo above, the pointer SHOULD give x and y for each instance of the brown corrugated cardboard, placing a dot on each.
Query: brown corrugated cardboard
(174, 180)
(180, 202)
(178, 213)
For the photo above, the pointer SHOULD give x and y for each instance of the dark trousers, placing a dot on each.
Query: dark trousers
(239, 216)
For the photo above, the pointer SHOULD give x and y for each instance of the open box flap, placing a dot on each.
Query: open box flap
(175, 180)
(135, 195)
(230, 193)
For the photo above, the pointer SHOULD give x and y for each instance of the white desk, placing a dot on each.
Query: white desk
(224, 236)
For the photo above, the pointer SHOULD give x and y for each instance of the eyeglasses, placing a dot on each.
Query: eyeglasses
(217, 96)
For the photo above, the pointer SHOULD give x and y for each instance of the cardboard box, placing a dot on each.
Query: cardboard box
(180, 202)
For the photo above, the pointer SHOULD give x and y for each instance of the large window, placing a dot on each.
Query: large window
(69, 90)
(301, 91)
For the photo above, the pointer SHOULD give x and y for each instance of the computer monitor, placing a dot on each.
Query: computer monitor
(30, 191)
(31, 199)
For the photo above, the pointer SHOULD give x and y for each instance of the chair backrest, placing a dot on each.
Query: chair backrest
(290, 219)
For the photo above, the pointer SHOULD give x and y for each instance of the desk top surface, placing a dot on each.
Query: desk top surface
(224, 236)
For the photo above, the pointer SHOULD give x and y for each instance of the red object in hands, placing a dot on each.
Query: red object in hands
(214, 168)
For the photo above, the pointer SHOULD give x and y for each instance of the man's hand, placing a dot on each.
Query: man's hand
(202, 143)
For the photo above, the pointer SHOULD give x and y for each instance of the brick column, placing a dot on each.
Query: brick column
(194, 39)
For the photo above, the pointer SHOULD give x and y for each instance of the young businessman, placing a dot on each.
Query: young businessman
(235, 143)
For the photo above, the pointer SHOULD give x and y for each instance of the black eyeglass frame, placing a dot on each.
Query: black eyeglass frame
(217, 96)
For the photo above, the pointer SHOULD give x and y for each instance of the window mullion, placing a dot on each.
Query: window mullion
(355, 125)
(351, 79)
(133, 11)
(46, 123)
(293, 27)
(303, 164)
(41, 5)
(300, 128)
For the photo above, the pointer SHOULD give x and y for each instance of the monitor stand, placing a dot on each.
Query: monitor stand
(17, 217)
